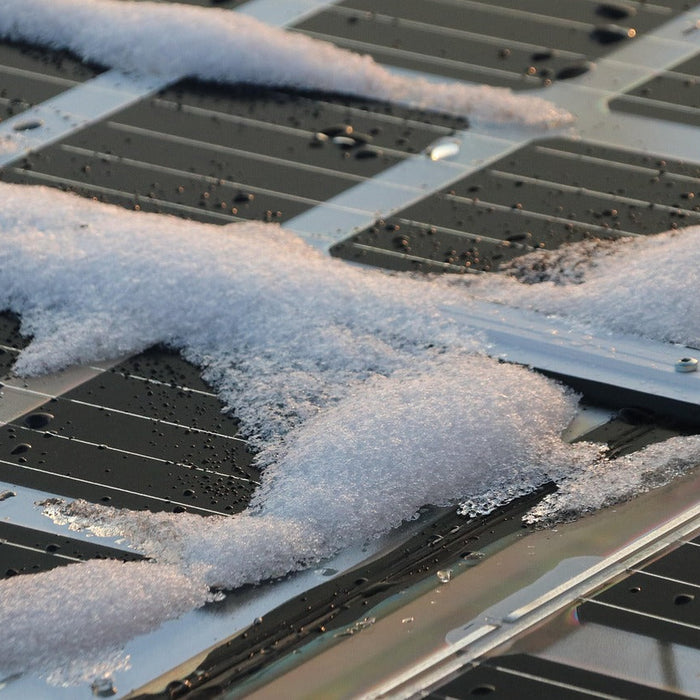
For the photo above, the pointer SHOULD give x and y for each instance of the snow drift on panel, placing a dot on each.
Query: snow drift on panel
(175, 40)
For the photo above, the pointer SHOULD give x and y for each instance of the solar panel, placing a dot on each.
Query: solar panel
(147, 433)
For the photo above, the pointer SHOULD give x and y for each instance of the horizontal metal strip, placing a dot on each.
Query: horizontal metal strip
(660, 104)
(24, 547)
(524, 14)
(252, 155)
(607, 196)
(644, 572)
(45, 77)
(615, 164)
(485, 204)
(476, 237)
(156, 168)
(554, 683)
(99, 189)
(161, 421)
(379, 117)
(156, 381)
(448, 267)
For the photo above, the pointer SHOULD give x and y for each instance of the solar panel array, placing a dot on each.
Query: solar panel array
(223, 154)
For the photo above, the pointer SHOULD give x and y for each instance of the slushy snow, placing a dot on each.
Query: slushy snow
(228, 47)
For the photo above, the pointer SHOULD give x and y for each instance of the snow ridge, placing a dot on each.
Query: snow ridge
(214, 44)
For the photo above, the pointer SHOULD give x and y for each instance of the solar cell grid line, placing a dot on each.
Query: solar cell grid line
(154, 416)
(512, 675)
(25, 551)
(497, 43)
(586, 95)
(516, 205)
(69, 486)
(351, 108)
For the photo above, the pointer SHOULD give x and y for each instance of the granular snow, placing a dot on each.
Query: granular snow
(215, 44)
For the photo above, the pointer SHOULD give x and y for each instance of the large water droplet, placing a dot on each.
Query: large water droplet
(338, 130)
(443, 148)
(28, 124)
(444, 575)
(21, 448)
(611, 34)
(38, 420)
(573, 70)
(345, 142)
(103, 687)
(615, 10)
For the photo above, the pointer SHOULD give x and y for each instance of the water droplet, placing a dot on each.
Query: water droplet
(687, 364)
(367, 152)
(683, 599)
(573, 70)
(52, 547)
(406, 620)
(443, 148)
(615, 10)
(21, 448)
(38, 420)
(612, 33)
(28, 124)
(338, 130)
(473, 556)
(444, 575)
(345, 142)
(483, 689)
(542, 55)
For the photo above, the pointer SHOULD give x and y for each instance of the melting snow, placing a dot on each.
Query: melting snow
(655, 297)
(365, 399)
(229, 47)
(62, 618)
(580, 491)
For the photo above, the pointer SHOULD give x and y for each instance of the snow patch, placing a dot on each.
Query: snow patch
(447, 427)
(366, 399)
(607, 482)
(280, 329)
(73, 619)
(641, 286)
(175, 40)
